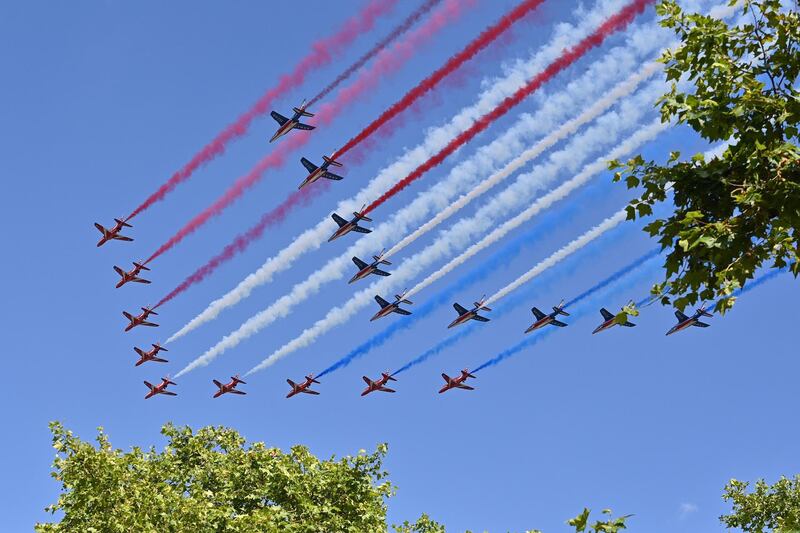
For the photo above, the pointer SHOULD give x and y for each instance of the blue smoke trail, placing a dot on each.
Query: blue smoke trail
(497, 260)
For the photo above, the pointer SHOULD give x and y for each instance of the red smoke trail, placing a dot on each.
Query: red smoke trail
(276, 158)
(322, 52)
(482, 41)
(615, 23)
(242, 241)
(387, 61)
(412, 19)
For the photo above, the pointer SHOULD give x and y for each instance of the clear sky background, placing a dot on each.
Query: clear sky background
(102, 101)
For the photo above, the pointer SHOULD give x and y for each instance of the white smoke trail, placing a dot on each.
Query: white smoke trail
(412, 266)
(561, 254)
(643, 41)
(643, 135)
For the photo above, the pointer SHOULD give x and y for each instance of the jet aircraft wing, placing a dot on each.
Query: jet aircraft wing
(304, 127)
(481, 318)
(339, 220)
(332, 176)
(280, 119)
(701, 324)
(467, 387)
(359, 263)
(311, 167)
(401, 311)
(381, 301)
(680, 316)
(380, 272)
(558, 323)
(359, 229)
(386, 389)
(628, 324)
(308, 391)
(366, 380)
(606, 314)
(538, 314)
(460, 309)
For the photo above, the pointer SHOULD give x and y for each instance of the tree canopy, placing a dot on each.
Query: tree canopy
(767, 508)
(739, 211)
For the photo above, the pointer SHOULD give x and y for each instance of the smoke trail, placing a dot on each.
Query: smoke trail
(612, 25)
(559, 193)
(643, 42)
(577, 149)
(322, 52)
(388, 61)
(482, 41)
(412, 19)
(568, 128)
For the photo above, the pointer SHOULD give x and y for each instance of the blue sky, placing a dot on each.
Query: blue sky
(104, 100)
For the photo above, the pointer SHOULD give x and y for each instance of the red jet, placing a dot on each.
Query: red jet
(372, 386)
(113, 233)
(346, 227)
(140, 320)
(302, 387)
(394, 307)
(465, 315)
(228, 387)
(150, 355)
(550, 319)
(457, 382)
(161, 388)
(132, 275)
(372, 268)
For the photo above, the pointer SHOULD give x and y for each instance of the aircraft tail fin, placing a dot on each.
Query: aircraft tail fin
(362, 217)
(331, 161)
(303, 112)
(467, 374)
(702, 311)
(122, 223)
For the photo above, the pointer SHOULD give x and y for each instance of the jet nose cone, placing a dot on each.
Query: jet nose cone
(353, 279)
(597, 329)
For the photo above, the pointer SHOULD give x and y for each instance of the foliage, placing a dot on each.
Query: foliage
(768, 508)
(606, 525)
(741, 210)
(210, 481)
(423, 525)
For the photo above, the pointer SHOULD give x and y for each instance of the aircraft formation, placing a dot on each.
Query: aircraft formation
(379, 267)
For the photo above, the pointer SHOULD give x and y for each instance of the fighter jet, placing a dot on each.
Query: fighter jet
(686, 321)
(365, 269)
(394, 307)
(316, 172)
(140, 320)
(113, 233)
(608, 321)
(132, 275)
(302, 387)
(225, 388)
(465, 315)
(288, 124)
(346, 227)
(372, 386)
(456, 382)
(161, 388)
(150, 355)
(543, 319)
